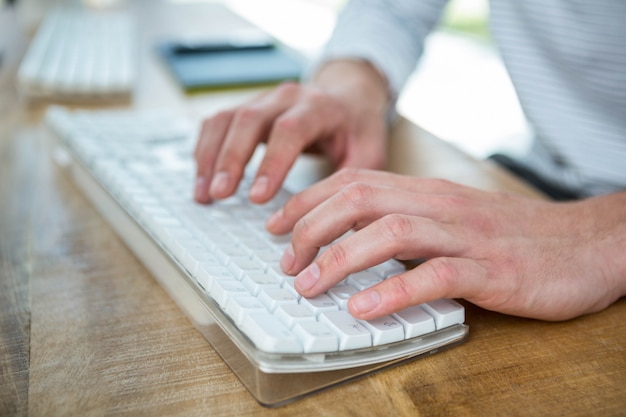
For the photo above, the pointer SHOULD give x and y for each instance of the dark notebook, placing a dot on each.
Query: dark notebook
(221, 65)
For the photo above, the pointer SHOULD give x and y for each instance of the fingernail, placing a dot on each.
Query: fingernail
(364, 302)
(307, 278)
(201, 190)
(274, 218)
(260, 187)
(219, 186)
(286, 262)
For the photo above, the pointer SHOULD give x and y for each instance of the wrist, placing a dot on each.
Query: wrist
(357, 82)
(607, 215)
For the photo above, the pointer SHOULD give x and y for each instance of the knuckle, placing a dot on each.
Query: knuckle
(247, 115)
(443, 271)
(288, 126)
(221, 117)
(396, 227)
(399, 290)
(287, 89)
(456, 201)
(294, 205)
(440, 183)
(348, 175)
(231, 157)
(357, 195)
(319, 99)
(441, 186)
(337, 256)
(303, 232)
(271, 164)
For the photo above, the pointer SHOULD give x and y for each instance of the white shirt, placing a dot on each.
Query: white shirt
(566, 59)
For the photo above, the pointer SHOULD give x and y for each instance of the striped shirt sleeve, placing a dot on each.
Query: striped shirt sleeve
(566, 59)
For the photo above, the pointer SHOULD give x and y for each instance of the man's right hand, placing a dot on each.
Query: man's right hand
(341, 113)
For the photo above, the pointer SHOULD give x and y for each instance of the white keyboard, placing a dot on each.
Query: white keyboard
(81, 53)
(222, 267)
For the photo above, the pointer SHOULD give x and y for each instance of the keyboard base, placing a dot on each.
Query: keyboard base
(274, 389)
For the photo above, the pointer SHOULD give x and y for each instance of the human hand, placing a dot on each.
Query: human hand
(341, 114)
(503, 252)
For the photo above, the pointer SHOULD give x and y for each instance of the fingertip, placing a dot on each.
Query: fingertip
(201, 190)
(287, 260)
(261, 190)
(364, 304)
(307, 279)
(220, 185)
(273, 223)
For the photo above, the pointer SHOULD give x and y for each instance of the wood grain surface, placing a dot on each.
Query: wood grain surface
(86, 331)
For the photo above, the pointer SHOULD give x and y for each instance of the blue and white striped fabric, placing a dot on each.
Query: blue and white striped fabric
(566, 59)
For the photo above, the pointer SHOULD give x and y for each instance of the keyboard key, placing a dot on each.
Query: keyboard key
(275, 269)
(352, 334)
(269, 334)
(226, 251)
(267, 255)
(274, 297)
(257, 281)
(209, 270)
(384, 330)
(341, 294)
(388, 268)
(224, 289)
(193, 259)
(316, 337)
(239, 307)
(291, 314)
(364, 279)
(445, 311)
(416, 321)
(289, 284)
(240, 266)
(319, 304)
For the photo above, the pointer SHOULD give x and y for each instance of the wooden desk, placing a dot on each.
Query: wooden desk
(85, 330)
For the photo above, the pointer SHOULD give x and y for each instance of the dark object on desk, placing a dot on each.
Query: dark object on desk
(229, 64)
(517, 168)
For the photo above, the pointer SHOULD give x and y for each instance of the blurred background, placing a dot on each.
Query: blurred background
(460, 90)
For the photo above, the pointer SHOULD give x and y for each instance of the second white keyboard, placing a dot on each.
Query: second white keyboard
(81, 53)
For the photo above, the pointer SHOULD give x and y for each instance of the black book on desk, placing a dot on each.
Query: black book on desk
(223, 64)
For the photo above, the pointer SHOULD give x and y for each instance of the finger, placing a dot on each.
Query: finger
(312, 119)
(437, 278)
(209, 142)
(393, 236)
(250, 126)
(298, 205)
(355, 207)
